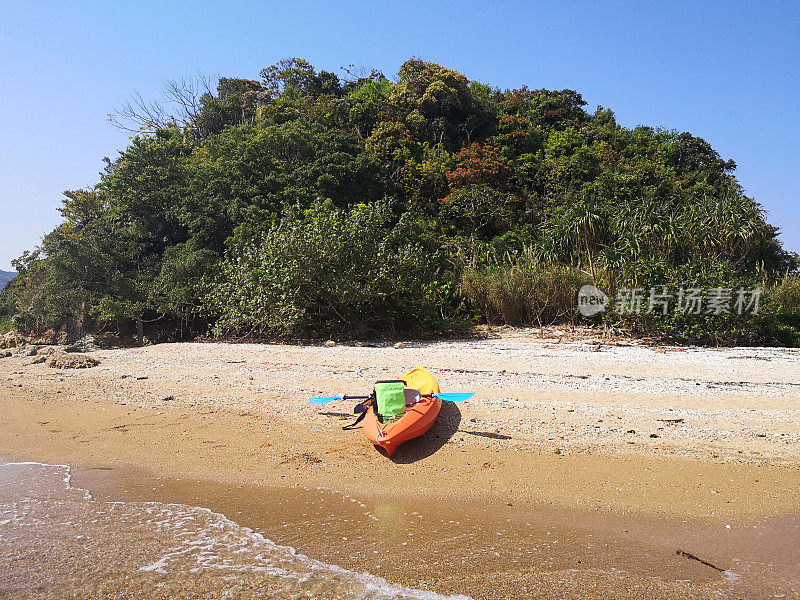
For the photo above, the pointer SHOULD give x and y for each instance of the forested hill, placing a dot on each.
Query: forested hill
(5, 277)
(308, 204)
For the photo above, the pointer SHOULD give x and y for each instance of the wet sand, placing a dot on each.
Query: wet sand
(534, 490)
(491, 549)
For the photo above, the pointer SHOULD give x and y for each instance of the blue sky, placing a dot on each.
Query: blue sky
(726, 71)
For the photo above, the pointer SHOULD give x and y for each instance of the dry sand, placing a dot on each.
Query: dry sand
(577, 471)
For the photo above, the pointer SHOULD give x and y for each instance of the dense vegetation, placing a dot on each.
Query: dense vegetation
(305, 204)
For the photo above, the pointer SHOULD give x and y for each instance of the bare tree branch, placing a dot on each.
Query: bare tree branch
(181, 106)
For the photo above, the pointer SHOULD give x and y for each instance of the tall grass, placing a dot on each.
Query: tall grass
(784, 297)
(781, 322)
(525, 293)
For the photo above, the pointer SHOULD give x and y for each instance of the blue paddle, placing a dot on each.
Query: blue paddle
(324, 400)
(448, 397)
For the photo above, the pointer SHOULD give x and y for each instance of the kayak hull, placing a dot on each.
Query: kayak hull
(418, 419)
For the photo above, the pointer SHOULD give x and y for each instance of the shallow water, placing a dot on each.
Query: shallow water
(56, 541)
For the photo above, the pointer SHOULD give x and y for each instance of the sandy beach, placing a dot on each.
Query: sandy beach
(578, 470)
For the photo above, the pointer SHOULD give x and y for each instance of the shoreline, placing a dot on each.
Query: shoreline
(482, 548)
(499, 550)
(236, 436)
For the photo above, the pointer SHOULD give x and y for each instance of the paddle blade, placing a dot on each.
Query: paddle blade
(455, 396)
(324, 400)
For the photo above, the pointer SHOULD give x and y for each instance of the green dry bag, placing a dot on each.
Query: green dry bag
(391, 399)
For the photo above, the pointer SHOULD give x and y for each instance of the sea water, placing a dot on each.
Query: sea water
(56, 541)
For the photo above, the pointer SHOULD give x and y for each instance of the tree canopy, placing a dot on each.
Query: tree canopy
(305, 203)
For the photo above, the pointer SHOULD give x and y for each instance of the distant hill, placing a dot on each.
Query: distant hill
(5, 277)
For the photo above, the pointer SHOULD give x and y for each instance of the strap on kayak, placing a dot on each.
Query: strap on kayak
(356, 422)
(364, 406)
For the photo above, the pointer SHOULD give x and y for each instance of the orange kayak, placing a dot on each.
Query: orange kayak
(418, 419)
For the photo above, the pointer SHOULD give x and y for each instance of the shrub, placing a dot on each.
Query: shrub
(328, 272)
(6, 324)
(776, 322)
(683, 327)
